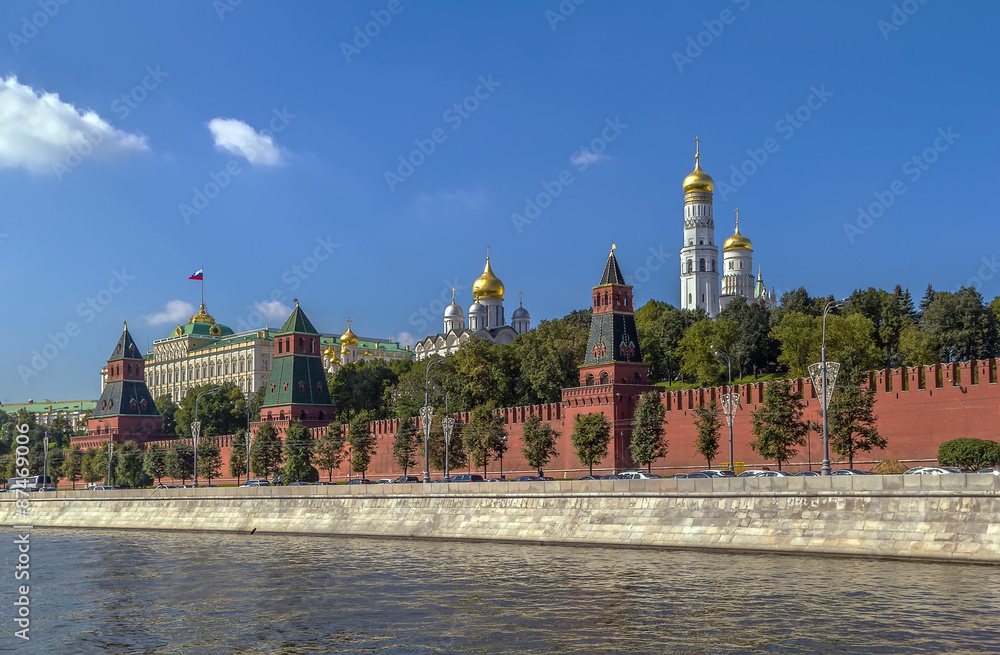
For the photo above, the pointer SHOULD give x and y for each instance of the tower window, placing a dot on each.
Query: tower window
(730, 266)
(690, 266)
(713, 266)
(741, 264)
(701, 265)
(701, 242)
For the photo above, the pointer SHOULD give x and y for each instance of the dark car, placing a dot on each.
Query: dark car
(806, 474)
(699, 475)
(609, 477)
(360, 481)
(406, 479)
(527, 478)
(467, 477)
(849, 472)
(588, 477)
(678, 475)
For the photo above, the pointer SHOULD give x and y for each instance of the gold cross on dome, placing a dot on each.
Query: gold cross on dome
(697, 143)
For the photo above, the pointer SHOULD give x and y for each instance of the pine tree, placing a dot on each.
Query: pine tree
(298, 453)
(709, 425)
(265, 451)
(330, 449)
(648, 444)
(926, 301)
(406, 443)
(538, 442)
(590, 438)
(778, 428)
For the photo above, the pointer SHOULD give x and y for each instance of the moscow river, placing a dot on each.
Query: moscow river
(117, 593)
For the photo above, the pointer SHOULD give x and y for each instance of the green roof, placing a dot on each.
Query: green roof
(297, 322)
(46, 405)
(202, 330)
(125, 348)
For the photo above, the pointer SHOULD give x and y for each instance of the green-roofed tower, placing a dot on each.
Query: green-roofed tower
(296, 390)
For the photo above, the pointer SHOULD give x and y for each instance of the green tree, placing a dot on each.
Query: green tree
(969, 453)
(547, 358)
(220, 413)
(962, 326)
(179, 461)
(72, 467)
(265, 451)
(486, 374)
(298, 453)
(648, 443)
(457, 457)
(60, 432)
(753, 350)
(99, 465)
(128, 465)
(778, 428)
(362, 442)
(361, 386)
(209, 459)
(590, 438)
(484, 436)
(405, 444)
(56, 459)
(154, 462)
(331, 449)
(695, 349)
(709, 425)
(917, 347)
(167, 408)
(538, 442)
(852, 421)
(90, 473)
(238, 455)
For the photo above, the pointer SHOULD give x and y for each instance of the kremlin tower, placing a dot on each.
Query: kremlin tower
(699, 254)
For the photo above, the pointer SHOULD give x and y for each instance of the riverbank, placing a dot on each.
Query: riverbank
(947, 517)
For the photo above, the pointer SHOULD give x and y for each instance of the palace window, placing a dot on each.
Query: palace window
(590, 379)
(604, 377)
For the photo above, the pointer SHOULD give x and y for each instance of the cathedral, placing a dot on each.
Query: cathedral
(486, 319)
(700, 266)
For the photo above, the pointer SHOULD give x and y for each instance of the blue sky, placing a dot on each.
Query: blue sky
(295, 126)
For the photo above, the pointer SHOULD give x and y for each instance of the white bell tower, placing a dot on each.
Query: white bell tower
(699, 253)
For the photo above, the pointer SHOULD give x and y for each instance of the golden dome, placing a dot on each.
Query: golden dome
(330, 353)
(202, 316)
(737, 241)
(349, 338)
(698, 180)
(487, 285)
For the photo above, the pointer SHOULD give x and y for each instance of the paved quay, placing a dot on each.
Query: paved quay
(946, 517)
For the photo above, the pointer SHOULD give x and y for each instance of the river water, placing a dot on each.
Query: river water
(117, 592)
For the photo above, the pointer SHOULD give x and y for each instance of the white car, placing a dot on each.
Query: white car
(638, 475)
(933, 470)
(754, 473)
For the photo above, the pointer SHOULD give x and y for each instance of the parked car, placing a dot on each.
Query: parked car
(699, 474)
(678, 475)
(300, 484)
(806, 474)
(588, 477)
(467, 477)
(384, 481)
(933, 470)
(638, 475)
(719, 473)
(256, 483)
(103, 487)
(527, 478)
(993, 470)
(609, 477)
(359, 481)
(849, 472)
(406, 479)
(497, 480)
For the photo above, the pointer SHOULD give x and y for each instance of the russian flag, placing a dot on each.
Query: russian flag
(198, 275)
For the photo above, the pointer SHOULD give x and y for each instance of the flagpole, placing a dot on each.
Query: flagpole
(203, 285)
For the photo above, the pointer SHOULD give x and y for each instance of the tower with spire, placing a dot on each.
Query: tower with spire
(737, 268)
(613, 375)
(296, 390)
(125, 410)
(699, 254)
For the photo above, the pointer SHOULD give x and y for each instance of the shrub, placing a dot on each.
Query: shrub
(889, 467)
(970, 453)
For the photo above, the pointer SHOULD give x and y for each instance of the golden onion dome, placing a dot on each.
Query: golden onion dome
(202, 316)
(698, 180)
(349, 338)
(487, 285)
(330, 353)
(737, 241)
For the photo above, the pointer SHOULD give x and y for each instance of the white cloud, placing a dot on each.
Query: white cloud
(175, 311)
(276, 312)
(240, 139)
(406, 339)
(585, 157)
(42, 134)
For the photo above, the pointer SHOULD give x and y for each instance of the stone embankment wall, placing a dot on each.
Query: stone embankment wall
(949, 517)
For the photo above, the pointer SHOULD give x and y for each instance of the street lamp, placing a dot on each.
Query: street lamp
(45, 460)
(426, 414)
(196, 429)
(448, 424)
(728, 403)
(247, 407)
(821, 374)
(500, 452)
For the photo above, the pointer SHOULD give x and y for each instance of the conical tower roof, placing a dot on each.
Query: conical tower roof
(297, 322)
(126, 348)
(612, 274)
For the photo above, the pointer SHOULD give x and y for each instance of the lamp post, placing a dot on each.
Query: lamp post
(111, 448)
(45, 460)
(426, 414)
(500, 452)
(821, 374)
(196, 429)
(248, 441)
(728, 403)
(448, 424)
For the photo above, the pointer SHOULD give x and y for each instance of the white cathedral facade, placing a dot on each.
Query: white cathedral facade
(486, 319)
(701, 270)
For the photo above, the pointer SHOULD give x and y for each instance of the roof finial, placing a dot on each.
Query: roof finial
(348, 322)
(737, 219)
(697, 150)
(521, 298)
(453, 295)
(296, 301)
(613, 246)
(487, 252)
(125, 329)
